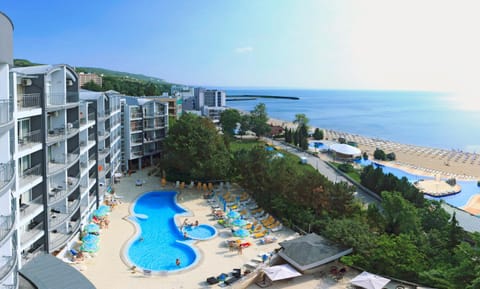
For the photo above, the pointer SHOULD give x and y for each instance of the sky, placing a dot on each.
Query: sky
(337, 44)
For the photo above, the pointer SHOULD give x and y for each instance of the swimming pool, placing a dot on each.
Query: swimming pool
(159, 242)
(469, 188)
(201, 232)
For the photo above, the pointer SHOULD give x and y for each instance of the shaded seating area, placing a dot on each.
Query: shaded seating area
(310, 251)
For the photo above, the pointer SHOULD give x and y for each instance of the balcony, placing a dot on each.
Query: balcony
(56, 134)
(58, 239)
(30, 175)
(56, 99)
(56, 194)
(72, 97)
(7, 171)
(72, 182)
(72, 128)
(56, 165)
(103, 153)
(135, 115)
(136, 154)
(73, 156)
(6, 113)
(31, 207)
(32, 253)
(103, 135)
(29, 139)
(10, 263)
(136, 141)
(28, 101)
(91, 117)
(34, 232)
(7, 225)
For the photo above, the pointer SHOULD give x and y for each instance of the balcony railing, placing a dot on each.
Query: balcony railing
(7, 170)
(32, 253)
(72, 182)
(72, 96)
(34, 230)
(28, 101)
(56, 98)
(32, 137)
(137, 154)
(72, 127)
(32, 172)
(135, 115)
(6, 111)
(56, 134)
(8, 266)
(73, 155)
(29, 207)
(56, 165)
(91, 116)
(6, 224)
(56, 193)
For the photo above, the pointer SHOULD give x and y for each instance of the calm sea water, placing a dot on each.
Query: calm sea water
(420, 118)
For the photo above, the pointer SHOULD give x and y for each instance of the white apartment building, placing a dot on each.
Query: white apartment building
(105, 109)
(144, 127)
(8, 199)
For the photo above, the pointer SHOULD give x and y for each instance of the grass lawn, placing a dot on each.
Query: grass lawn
(355, 174)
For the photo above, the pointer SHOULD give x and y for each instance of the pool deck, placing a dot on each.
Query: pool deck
(107, 270)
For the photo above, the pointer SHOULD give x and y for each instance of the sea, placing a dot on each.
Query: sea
(424, 118)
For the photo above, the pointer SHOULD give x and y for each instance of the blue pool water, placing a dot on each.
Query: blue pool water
(469, 188)
(201, 232)
(160, 242)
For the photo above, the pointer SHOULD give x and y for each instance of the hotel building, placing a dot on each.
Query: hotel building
(8, 199)
(144, 127)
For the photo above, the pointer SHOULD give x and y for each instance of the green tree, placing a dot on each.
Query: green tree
(229, 120)
(195, 151)
(301, 119)
(400, 215)
(92, 86)
(318, 134)
(258, 120)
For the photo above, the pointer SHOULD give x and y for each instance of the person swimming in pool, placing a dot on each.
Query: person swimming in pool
(177, 262)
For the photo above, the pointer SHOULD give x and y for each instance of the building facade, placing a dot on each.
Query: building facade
(8, 198)
(144, 127)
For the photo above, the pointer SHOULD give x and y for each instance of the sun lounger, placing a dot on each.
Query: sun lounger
(273, 225)
(276, 229)
(260, 234)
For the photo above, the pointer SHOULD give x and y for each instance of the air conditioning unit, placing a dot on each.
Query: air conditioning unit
(26, 82)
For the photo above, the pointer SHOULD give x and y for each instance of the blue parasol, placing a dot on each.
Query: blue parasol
(233, 214)
(89, 247)
(92, 228)
(242, 233)
(102, 211)
(240, 222)
(90, 238)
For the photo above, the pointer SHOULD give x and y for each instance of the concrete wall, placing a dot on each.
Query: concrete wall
(6, 39)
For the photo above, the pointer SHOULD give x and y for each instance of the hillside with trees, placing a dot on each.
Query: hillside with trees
(123, 82)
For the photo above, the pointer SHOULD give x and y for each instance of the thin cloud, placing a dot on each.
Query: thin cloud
(246, 49)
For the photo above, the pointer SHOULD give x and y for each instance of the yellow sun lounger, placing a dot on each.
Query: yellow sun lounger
(260, 234)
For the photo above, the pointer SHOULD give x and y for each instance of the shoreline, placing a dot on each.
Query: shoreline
(413, 159)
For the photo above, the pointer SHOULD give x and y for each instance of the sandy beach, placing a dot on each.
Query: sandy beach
(415, 159)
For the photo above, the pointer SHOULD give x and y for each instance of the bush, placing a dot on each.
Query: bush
(365, 156)
(379, 155)
(342, 140)
(346, 168)
(391, 156)
(452, 182)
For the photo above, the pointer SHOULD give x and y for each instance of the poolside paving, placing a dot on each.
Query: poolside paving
(107, 270)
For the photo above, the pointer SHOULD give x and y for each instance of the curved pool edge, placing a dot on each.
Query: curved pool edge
(137, 231)
(205, 239)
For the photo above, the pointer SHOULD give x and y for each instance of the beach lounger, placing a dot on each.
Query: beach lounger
(278, 228)
(260, 234)
(273, 225)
